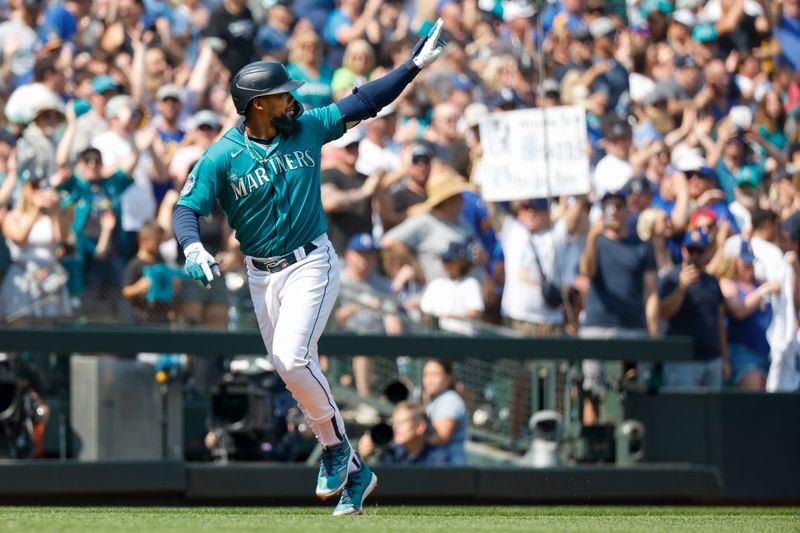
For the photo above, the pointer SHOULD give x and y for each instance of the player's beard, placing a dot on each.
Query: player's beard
(285, 125)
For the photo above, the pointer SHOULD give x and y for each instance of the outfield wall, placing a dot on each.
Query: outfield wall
(95, 483)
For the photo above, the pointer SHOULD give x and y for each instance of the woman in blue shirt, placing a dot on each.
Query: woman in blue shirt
(445, 409)
(749, 316)
(305, 63)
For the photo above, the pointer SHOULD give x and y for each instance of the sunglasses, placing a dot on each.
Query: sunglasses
(693, 250)
(696, 174)
(206, 127)
(421, 160)
(706, 228)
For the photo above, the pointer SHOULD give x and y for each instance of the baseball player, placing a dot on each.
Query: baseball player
(265, 174)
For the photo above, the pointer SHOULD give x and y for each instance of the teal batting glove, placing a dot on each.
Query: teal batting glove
(430, 47)
(200, 264)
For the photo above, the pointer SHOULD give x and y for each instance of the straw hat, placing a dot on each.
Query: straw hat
(442, 186)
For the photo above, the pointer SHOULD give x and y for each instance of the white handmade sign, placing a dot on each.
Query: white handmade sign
(524, 159)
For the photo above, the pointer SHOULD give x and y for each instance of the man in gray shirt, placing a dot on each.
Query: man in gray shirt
(422, 238)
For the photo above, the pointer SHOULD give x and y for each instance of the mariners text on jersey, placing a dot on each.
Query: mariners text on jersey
(244, 185)
(270, 192)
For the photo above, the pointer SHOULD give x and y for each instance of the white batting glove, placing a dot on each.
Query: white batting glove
(430, 47)
(200, 264)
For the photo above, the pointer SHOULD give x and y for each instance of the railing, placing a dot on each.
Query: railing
(503, 379)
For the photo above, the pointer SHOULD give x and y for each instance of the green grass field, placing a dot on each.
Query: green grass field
(400, 518)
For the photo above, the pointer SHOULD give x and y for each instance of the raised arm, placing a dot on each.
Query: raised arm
(65, 144)
(367, 100)
(588, 263)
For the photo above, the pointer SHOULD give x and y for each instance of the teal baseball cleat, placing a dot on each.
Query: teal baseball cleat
(359, 486)
(333, 470)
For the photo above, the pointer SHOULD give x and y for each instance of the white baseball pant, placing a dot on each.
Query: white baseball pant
(292, 307)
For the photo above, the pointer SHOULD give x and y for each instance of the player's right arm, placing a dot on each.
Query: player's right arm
(197, 198)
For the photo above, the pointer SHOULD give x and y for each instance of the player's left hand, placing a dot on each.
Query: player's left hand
(200, 264)
(430, 47)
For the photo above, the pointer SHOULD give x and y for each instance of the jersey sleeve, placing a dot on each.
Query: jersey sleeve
(120, 180)
(326, 123)
(203, 184)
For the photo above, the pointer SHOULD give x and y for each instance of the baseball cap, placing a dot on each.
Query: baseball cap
(692, 162)
(696, 238)
(47, 101)
(422, 149)
(639, 185)
(685, 17)
(685, 61)
(204, 117)
(350, 137)
(601, 26)
(363, 242)
(115, 106)
(534, 203)
(462, 82)
(656, 96)
(703, 212)
(687, 4)
(169, 90)
(747, 175)
(549, 86)
(103, 83)
(517, 9)
(746, 253)
(619, 193)
(269, 4)
(704, 33)
(474, 113)
(616, 128)
(454, 252)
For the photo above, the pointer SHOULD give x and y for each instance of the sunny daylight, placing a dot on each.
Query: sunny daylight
(399, 265)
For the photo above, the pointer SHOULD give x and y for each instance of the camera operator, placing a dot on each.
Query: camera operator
(253, 417)
(692, 304)
(408, 444)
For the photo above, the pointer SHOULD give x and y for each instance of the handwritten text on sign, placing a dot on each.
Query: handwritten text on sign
(515, 164)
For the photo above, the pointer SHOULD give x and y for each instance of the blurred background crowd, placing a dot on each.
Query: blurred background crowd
(691, 226)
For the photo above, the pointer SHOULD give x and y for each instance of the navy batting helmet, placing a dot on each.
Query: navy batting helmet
(260, 79)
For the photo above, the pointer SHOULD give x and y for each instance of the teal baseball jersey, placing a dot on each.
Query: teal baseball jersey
(269, 192)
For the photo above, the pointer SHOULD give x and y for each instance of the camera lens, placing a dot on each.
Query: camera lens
(382, 434)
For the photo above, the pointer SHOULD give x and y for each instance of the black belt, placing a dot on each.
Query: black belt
(282, 262)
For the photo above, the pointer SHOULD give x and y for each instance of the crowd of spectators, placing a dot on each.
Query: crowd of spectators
(691, 225)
